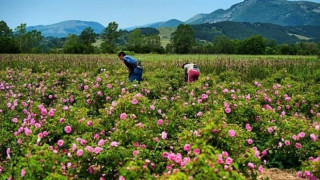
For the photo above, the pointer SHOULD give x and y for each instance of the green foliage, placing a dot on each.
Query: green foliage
(253, 45)
(110, 35)
(182, 39)
(73, 45)
(162, 128)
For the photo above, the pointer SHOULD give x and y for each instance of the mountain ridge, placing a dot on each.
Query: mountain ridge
(281, 12)
(64, 28)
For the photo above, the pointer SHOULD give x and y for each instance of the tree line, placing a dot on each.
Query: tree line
(143, 40)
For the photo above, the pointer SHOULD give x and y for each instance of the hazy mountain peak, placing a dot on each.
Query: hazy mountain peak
(64, 28)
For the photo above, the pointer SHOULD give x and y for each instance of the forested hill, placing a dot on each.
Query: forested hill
(242, 30)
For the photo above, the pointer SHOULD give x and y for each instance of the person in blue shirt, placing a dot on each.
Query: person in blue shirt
(135, 72)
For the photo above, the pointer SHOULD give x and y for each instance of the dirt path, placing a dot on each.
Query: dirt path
(277, 174)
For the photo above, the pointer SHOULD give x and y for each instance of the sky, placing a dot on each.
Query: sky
(127, 13)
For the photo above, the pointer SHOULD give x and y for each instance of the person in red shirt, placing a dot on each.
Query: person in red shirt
(191, 72)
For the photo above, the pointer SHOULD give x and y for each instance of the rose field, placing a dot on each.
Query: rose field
(79, 117)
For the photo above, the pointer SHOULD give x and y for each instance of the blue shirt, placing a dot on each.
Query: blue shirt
(130, 62)
(135, 71)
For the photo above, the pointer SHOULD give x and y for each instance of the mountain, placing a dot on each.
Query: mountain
(63, 29)
(242, 30)
(281, 12)
(165, 24)
(170, 23)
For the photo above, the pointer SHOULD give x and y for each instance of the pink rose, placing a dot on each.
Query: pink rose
(123, 116)
(164, 135)
(101, 142)
(231, 133)
(227, 110)
(79, 152)
(251, 165)
(287, 143)
(67, 129)
(187, 147)
(89, 148)
(23, 172)
(229, 160)
(314, 137)
(134, 101)
(114, 144)
(298, 145)
(97, 150)
(248, 127)
(160, 122)
(15, 120)
(196, 151)
(135, 152)
(301, 134)
(60, 142)
(270, 130)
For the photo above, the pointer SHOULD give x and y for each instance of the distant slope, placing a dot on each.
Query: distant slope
(281, 12)
(63, 29)
(240, 30)
(165, 35)
(166, 24)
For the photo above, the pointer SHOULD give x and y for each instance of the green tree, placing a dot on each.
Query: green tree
(28, 42)
(5, 31)
(136, 41)
(223, 45)
(88, 37)
(253, 45)
(21, 36)
(182, 39)
(307, 48)
(32, 43)
(154, 44)
(73, 45)
(109, 36)
(7, 41)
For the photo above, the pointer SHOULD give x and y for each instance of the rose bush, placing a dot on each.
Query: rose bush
(96, 125)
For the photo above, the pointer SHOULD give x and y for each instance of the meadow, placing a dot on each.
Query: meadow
(79, 117)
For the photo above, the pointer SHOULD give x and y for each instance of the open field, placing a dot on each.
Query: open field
(79, 117)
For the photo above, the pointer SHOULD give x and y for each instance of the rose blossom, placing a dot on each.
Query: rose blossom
(123, 116)
(196, 151)
(251, 165)
(301, 134)
(79, 152)
(298, 145)
(60, 142)
(229, 160)
(23, 172)
(313, 137)
(227, 110)
(114, 143)
(231, 133)
(134, 101)
(187, 147)
(164, 135)
(97, 150)
(67, 129)
(160, 122)
(248, 127)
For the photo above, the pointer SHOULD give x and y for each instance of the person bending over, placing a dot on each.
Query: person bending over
(135, 72)
(191, 72)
